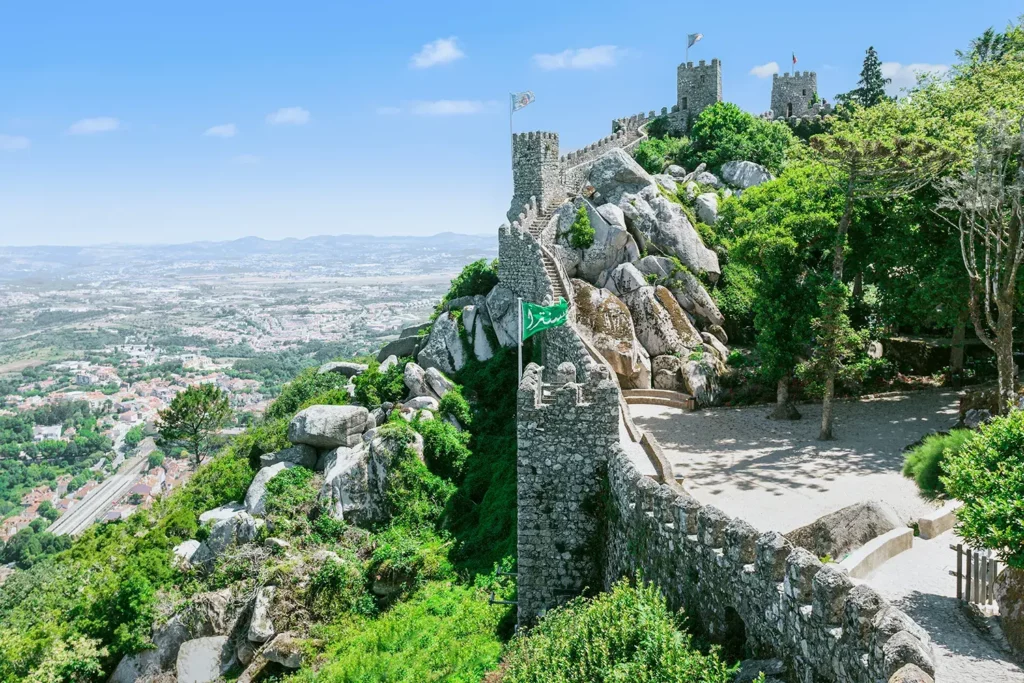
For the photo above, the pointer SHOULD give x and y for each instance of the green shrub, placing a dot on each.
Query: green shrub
(290, 499)
(651, 154)
(408, 557)
(155, 459)
(924, 462)
(724, 132)
(337, 590)
(478, 277)
(454, 404)
(987, 474)
(444, 632)
(444, 448)
(306, 385)
(627, 634)
(331, 397)
(581, 234)
(374, 387)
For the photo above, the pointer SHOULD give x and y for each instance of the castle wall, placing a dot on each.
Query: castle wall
(563, 441)
(521, 265)
(697, 87)
(536, 171)
(792, 94)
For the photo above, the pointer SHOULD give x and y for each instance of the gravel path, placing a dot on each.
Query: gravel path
(777, 475)
(918, 582)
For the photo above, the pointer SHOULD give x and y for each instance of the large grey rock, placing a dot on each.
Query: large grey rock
(183, 552)
(261, 626)
(329, 426)
(401, 348)
(344, 490)
(167, 640)
(298, 455)
(416, 381)
(625, 278)
(843, 531)
(615, 173)
(483, 350)
(612, 242)
(707, 207)
(501, 306)
(701, 380)
(666, 181)
(256, 496)
(342, 368)
(226, 511)
(1009, 593)
(706, 178)
(677, 172)
(203, 660)
(663, 223)
(438, 383)
(388, 363)
(237, 530)
(660, 323)
(444, 349)
(911, 673)
(667, 373)
(744, 174)
(608, 325)
(711, 342)
(285, 649)
(686, 288)
(569, 258)
(613, 215)
(421, 403)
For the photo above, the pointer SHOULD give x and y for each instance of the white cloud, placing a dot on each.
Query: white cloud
(225, 130)
(597, 57)
(247, 159)
(765, 70)
(101, 124)
(447, 107)
(291, 116)
(905, 76)
(389, 111)
(11, 143)
(441, 51)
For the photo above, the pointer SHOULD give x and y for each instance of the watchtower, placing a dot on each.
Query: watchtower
(698, 87)
(792, 94)
(536, 171)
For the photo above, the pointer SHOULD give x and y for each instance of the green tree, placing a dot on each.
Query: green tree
(193, 418)
(155, 459)
(724, 132)
(987, 475)
(47, 511)
(870, 89)
(988, 201)
(479, 277)
(134, 436)
(581, 233)
(873, 156)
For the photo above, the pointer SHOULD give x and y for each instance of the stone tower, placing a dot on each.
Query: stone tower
(536, 171)
(698, 87)
(792, 94)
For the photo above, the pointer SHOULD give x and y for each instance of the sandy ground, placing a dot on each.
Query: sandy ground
(778, 476)
(918, 582)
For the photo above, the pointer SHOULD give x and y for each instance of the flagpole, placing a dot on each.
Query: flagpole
(519, 317)
(511, 146)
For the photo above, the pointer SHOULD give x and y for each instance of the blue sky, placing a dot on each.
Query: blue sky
(133, 122)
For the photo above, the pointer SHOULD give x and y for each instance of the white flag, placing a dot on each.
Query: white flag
(693, 38)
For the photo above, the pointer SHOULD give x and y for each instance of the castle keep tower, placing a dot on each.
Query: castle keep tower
(698, 87)
(536, 171)
(792, 94)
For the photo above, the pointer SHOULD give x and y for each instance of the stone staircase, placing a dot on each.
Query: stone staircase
(535, 229)
(659, 397)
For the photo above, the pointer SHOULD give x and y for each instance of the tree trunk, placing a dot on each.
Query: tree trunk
(956, 351)
(784, 408)
(1004, 357)
(826, 407)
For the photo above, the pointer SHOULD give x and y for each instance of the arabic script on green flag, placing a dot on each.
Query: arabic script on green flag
(537, 318)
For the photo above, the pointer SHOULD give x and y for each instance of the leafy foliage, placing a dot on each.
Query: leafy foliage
(304, 388)
(626, 634)
(870, 88)
(924, 462)
(193, 417)
(445, 448)
(581, 233)
(454, 404)
(478, 277)
(654, 153)
(374, 387)
(724, 132)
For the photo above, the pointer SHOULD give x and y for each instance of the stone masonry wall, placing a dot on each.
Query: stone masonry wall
(797, 90)
(698, 87)
(563, 442)
(521, 265)
(735, 582)
(576, 165)
(536, 171)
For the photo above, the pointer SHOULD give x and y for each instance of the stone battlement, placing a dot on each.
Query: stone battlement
(715, 63)
(583, 154)
(794, 75)
(535, 136)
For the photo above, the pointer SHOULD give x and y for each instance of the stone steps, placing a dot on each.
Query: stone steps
(659, 397)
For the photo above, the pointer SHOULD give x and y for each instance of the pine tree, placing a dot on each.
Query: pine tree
(870, 88)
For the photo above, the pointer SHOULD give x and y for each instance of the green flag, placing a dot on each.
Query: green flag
(537, 318)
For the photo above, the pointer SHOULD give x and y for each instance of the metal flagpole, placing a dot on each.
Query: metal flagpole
(520, 318)
(511, 146)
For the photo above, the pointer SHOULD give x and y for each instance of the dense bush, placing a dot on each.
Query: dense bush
(581, 233)
(724, 132)
(306, 385)
(454, 404)
(655, 153)
(444, 448)
(374, 387)
(479, 277)
(987, 474)
(627, 634)
(924, 462)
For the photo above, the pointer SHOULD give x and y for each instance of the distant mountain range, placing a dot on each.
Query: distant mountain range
(337, 254)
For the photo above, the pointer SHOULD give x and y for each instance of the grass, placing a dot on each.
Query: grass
(923, 463)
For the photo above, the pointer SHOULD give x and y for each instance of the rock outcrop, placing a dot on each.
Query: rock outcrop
(329, 426)
(845, 530)
(297, 455)
(745, 174)
(204, 660)
(686, 288)
(661, 324)
(607, 323)
(342, 368)
(657, 220)
(444, 349)
(615, 173)
(236, 530)
(256, 496)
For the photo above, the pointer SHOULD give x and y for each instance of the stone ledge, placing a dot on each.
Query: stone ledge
(877, 551)
(940, 521)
